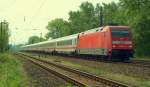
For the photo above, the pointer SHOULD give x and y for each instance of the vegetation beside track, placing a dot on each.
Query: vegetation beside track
(114, 76)
(133, 81)
(11, 72)
(71, 71)
(135, 76)
(141, 58)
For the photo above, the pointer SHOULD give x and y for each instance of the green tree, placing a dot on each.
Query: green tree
(84, 18)
(4, 36)
(99, 14)
(110, 12)
(58, 28)
(35, 39)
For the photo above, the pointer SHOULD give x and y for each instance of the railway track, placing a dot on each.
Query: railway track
(140, 63)
(73, 76)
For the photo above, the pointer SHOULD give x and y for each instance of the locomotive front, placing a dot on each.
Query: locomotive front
(122, 44)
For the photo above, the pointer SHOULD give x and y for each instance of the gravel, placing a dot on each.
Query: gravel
(120, 68)
(39, 77)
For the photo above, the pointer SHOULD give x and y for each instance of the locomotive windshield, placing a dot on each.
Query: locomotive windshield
(120, 33)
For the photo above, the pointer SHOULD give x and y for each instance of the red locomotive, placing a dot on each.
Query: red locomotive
(110, 42)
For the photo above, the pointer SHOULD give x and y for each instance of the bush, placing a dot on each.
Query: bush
(11, 72)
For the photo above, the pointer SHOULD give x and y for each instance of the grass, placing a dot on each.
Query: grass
(11, 72)
(68, 85)
(142, 58)
(133, 81)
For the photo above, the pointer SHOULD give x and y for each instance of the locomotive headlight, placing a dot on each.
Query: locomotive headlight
(128, 42)
(109, 50)
(130, 46)
(114, 46)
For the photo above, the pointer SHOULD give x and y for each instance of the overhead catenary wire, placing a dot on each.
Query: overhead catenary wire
(37, 11)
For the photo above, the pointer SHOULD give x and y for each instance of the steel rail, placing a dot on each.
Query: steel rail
(85, 74)
(68, 79)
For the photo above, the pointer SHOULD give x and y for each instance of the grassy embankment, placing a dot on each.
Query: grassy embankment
(133, 81)
(11, 72)
(141, 58)
(127, 79)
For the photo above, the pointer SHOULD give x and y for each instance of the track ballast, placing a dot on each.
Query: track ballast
(73, 76)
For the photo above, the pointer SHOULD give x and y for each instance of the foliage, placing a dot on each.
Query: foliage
(105, 72)
(11, 72)
(58, 28)
(110, 12)
(35, 39)
(83, 19)
(133, 13)
(4, 36)
(15, 48)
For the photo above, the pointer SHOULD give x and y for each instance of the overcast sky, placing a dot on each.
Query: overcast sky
(30, 17)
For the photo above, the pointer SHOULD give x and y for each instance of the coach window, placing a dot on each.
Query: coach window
(58, 43)
(74, 42)
(69, 42)
(65, 43)
(51, 44)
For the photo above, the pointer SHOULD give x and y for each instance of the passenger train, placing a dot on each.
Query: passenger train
(109, 42)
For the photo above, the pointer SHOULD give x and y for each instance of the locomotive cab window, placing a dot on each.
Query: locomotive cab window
(120, 33)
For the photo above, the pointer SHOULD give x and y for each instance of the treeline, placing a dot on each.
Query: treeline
(4, 36)
(35, 39)
(87, 17)
(133, 13)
